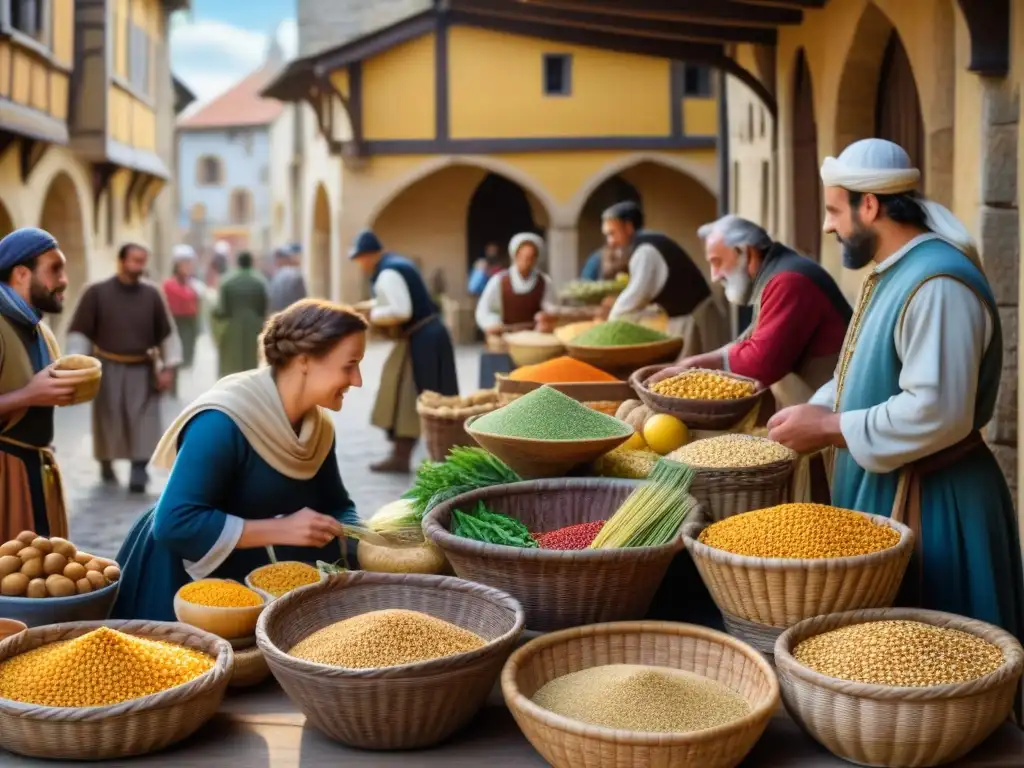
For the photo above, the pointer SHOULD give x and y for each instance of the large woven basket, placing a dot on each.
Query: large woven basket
(405, 707)
(567, 743)
(124, 730)
(727, 492)
(761, 597)
(557, 589)
(906, 727)
(697, 414)
(442, 432)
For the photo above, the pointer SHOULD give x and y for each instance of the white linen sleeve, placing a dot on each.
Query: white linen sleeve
(393, 304)
(825, 396)
(220, 551)
(647, 273)
(488, 308)
(946, 330)
(550, 301)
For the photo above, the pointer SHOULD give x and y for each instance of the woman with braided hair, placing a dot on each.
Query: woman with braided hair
(253, 472)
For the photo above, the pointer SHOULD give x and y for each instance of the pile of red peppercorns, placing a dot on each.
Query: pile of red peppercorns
(579, 536)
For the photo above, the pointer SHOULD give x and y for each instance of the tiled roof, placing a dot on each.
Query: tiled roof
(239, 106)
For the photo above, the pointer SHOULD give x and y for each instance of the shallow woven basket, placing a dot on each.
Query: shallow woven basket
(617, 360)
(441, 434)
(697, 414)
(761, 597)
(405, 707)
(907, 727)
(557, 589)
(250, 668)
(531, 459)
(132, 728)
(567, 743)
(727, 492)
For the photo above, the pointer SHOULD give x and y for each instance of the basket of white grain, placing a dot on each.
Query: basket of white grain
(640, 693)
(389, 661)
(398, 545)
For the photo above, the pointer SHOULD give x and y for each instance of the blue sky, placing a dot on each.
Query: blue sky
(220, 41)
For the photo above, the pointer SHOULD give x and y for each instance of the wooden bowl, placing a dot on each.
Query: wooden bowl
(617, 359)
(532, 354)
(74, 366)
(267, 595)
(228, 623)
(533, 459)
(568, 743)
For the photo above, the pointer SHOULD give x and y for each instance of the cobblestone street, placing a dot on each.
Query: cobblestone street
(101, 515)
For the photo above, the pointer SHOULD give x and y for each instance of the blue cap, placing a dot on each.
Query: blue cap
(295, 249)
(365, 242)
(23, 245)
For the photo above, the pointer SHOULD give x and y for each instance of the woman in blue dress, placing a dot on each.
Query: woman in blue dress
(252, 466)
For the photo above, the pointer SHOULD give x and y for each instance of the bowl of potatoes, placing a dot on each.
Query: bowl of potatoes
(49, 581)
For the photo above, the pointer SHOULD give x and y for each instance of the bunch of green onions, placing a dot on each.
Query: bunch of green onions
(464, 470)
(653, 513)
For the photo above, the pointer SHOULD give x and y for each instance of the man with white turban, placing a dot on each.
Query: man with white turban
(915, 383)
(514, 296)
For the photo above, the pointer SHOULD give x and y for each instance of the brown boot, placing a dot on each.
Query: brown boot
(398, 462)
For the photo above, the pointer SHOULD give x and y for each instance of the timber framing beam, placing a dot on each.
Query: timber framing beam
(727, 11)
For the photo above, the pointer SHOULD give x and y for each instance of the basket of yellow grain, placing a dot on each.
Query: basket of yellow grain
(701, 398)
(443, 419)
(222, 607)
(389, 661)
(108, 690)
(280, 578)
(84, 371)
(640, 693)
(771, 568)
(900, 687)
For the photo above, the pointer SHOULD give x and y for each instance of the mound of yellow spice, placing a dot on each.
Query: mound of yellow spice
(803, 531)
(385, 638)
(98, 669)
(215, 593)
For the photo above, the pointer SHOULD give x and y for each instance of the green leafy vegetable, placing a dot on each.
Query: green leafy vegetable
(465, 469)
(491, 527)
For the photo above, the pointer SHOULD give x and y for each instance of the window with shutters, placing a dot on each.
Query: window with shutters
(139, 58)
(209, 171)
(30, 18)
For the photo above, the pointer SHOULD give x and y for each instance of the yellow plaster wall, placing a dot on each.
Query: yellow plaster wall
(339, 78)
(398, 92)
(120, 37)
(700, 117)
(58, 95)
(613, 94)
(130, 121)
(63, 14)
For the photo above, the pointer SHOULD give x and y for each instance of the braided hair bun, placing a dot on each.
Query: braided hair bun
(308, 327)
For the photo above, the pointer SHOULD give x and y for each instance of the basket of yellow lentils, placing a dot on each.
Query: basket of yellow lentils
(389, 661)
(735, 473)
(771, 568)
(108, 690)
(700, 398)
(914, 687)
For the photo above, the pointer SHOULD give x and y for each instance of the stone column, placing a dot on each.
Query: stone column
(1000, 248)
(563, 252)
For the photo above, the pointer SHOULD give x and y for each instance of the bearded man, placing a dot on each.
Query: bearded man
(32, 281)
(799, 314)
(917, 380)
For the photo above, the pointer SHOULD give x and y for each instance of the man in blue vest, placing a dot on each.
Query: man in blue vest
(916, 382)
(423, 357)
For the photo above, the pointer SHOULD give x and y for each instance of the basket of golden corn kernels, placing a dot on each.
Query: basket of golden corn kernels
(99, 691)
(771, 568)
(700, 398)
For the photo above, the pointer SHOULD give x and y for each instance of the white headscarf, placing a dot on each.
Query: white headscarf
(880, 167)
(522, 239)
(183, 252)
(222, 248)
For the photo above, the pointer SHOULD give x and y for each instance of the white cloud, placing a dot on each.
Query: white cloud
(210, 56)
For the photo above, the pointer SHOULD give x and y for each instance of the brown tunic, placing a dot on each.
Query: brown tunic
(122, 319)
(521, 308)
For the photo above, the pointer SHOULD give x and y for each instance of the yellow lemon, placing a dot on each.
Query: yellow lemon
(664, 433)
(635, 443)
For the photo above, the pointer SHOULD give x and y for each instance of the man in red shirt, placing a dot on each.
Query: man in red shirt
(799, 314)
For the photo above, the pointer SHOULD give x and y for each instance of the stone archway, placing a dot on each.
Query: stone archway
(320, 250)
(674, 202)
(612, 190)
(806, 182)
(62, 218)
(498, 210)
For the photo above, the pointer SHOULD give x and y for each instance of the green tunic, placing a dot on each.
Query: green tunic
(238, 320)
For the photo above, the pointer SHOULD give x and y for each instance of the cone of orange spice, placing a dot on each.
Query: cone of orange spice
(561, 370)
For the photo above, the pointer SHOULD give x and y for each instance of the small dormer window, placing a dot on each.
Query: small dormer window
(557, 74)
(697, 81)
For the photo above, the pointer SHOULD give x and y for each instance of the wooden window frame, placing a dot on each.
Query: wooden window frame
(705, 88)
(565, 59)
(202, 178)
(236, 194)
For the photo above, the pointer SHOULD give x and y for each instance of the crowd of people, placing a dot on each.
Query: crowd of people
(892, 392)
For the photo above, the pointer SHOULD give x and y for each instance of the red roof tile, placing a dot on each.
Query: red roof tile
(239, 106)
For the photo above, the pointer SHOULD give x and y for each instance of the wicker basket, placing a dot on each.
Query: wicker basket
(906, 727)
(727, 492)
(761, 597)
(697, 414)
(123, 730)
(557, 589)
(567, 743)
(250, 668)
(442, 431)
(405, 707)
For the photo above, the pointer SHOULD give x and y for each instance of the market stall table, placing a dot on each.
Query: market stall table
(260, 728)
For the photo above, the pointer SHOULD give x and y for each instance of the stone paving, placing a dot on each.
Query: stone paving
(101, 515)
